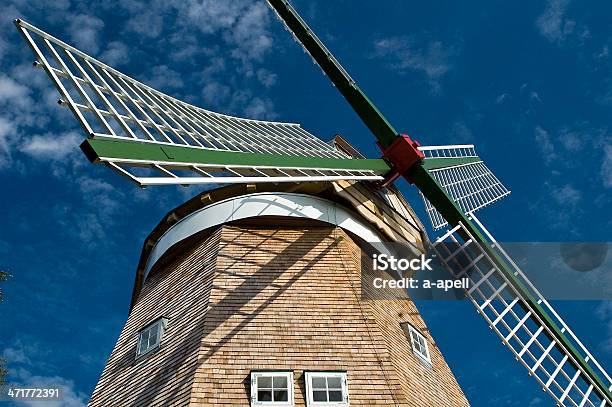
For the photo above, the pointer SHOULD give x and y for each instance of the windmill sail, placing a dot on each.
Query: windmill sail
(464, 177)
(565, 368)
(155, 139)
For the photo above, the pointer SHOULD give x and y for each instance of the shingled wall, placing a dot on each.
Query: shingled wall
(277, 297)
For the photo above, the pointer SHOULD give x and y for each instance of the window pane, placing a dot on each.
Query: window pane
(144, 348)
(264, 382)
(153, 339)
(319, 395)
(281, 395)
(334, 383)
(280, 382)
(318, 383)
(264, 395)
(335, 395)
(142, 344)
(422, 341)
(145, 334)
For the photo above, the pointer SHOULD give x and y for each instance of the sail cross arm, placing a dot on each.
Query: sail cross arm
(437, 163)
(173, 164)
(100, 149)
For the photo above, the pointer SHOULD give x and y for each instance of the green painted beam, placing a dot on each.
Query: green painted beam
(94, 149)
(432, 190)
(436, 163)
(367, 111)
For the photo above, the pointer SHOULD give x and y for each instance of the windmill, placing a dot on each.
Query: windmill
(153, 139)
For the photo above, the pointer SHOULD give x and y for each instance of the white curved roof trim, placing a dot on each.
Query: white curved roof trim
(262, 204)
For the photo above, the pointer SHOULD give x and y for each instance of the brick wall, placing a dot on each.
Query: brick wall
(253, 298)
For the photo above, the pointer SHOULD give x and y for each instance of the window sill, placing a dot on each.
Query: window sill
(423, 360)
(147, 354)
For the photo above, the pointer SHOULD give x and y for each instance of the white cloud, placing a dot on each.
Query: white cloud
(219, 97)
(535, 96)
(94, 186)
(7, 128)
(216, 65)
(461, 132)
(12, 92)
(536, 401)
(552, 22)
(556, 27)
(266, 77)
(93, 211)
(51, 147)
(559, 149)
(7, 134)
(408, 54)
(84, 31)
(163, 77)
(211, 15)
(215, 93)
(604, 313)
(260, 109)
(146, 18)
(116, 53)
(502, 98)
(3, 47)
(90, 228)
(15, 355)
(606, 166)
(542, 139)
(560, 206)
(570, 140)
(250, 35)
(567, 196)
(69, 395)
(22, 357)
(604, 53)
(243, 25)
(186, 51)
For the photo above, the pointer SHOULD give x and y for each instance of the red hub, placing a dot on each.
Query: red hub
(402, 154)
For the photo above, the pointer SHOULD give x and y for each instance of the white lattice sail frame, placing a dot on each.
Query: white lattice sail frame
(110, 105)
(472, 186)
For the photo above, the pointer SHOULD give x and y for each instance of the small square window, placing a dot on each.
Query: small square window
(419, 343)
(150, 337)
(272, 389)
(326, 389)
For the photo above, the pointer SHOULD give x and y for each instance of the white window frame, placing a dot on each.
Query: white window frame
(418, 340)
(160, 325)
(272, 373)
(309, 395)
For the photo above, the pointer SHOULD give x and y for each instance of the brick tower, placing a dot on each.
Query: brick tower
(251, 295)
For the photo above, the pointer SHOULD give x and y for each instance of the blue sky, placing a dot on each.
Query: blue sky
(529, 83)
